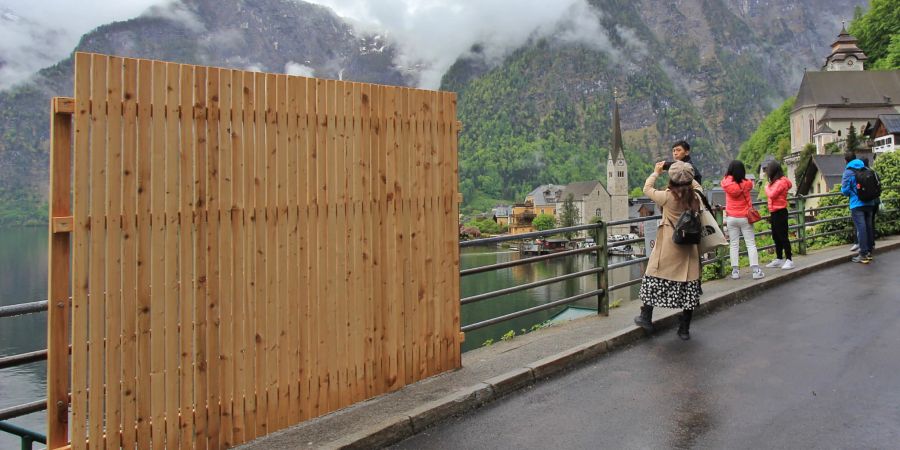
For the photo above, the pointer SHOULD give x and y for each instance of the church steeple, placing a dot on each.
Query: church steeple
(845, 54)
(617, 170)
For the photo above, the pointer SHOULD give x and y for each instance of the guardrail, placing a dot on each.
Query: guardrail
(720, 258)
(26, 437)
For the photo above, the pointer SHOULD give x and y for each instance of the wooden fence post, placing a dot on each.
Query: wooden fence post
(603, 277)
(58, 275)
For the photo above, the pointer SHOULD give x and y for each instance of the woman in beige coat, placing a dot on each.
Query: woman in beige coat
(672, 279)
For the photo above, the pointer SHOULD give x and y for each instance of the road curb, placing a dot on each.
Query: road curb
(472, 397)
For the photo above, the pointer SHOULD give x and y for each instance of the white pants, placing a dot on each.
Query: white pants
(738, 226)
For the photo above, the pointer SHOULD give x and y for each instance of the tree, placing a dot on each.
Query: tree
(569, 216)
(852, 138)
(544, 222)
(772, 137)
(878, 31)
(636, 192)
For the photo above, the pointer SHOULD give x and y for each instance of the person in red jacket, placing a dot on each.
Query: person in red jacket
(777, 191)
(738, 200)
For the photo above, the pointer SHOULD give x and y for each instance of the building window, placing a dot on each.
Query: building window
(620, 174)
(811, 128)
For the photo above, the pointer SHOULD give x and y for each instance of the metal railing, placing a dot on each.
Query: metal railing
(26, 437)
(720, 258)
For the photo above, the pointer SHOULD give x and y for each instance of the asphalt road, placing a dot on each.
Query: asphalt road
(814, 363)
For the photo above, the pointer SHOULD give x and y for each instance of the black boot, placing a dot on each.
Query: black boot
(645, 320)
(684, 324)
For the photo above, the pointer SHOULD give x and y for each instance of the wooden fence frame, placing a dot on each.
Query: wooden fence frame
(246, 250)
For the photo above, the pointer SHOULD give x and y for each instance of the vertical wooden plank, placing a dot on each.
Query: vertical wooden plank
(59, 276)
(366, 212)
(144, 256)
(394, 238)
(358, 292)
(294, 301)
(96, 297)
(453, 186)
(201, 386)
(281, 210)
(226, 269)
(113, 320)
(368, 215)
(417, 235)
(271, 280)
(303, 110)
(173, 438)
(325, 132)
(410, 349)
(240, 276)
(186, 256)
(429, 231)
(157, 282)
(248, 104)
(80, 242)
(442, 265)
(381, 237)
(129, 254)
(261, 336)
(340, 279)
(213, 274)
(314, 136)
(451, 241)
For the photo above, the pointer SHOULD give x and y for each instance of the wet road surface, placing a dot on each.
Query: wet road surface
(813, 363)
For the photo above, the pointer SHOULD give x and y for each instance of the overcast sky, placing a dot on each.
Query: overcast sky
(429, 33)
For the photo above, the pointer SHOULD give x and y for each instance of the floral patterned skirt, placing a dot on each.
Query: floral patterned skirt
(670, 294)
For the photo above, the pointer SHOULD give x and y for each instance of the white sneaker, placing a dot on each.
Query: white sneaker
(855, 248)
(788, 264)
(758, 273)
(735, 273)
(775, 263)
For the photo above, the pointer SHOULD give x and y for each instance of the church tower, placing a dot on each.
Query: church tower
(617, 174)
(845, 54)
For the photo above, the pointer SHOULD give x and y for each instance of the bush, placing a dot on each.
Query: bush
(544, 222)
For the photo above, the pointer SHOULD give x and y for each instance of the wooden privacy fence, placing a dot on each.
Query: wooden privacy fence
(245, 251)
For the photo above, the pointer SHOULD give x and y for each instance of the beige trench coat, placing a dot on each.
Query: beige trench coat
(668, 260)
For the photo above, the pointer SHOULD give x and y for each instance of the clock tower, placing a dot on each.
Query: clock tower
(617, 174)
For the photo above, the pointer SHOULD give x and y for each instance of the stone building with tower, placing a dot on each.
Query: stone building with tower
(591, 198)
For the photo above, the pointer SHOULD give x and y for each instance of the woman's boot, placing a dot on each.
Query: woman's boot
(645, 320)
(684, 324)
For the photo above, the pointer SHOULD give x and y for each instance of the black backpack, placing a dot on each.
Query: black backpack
(868, 186)
(688, 229)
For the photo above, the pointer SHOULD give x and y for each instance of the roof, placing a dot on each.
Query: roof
(870, 113)
(824, 129)
(891, 122)
(502, 211)
(617, 149)
(830, 166)
(538, 193)
(849, 88)
(580, 189)
(844, 37)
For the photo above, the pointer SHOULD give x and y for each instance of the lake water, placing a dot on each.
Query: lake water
(23, 278)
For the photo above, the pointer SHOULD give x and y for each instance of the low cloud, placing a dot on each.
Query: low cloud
(37, 34)
(292, 68)
(431, 35)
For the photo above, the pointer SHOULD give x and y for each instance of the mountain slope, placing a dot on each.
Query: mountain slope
(705, 70)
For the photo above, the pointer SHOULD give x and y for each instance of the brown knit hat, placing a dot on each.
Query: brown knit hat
(681, 172)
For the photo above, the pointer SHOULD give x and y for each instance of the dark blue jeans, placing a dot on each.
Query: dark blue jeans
(864, 221)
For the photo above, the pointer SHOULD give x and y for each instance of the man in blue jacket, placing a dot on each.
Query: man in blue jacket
(861, 211)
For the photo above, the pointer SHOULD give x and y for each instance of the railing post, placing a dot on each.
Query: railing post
(720, 251)
(59, 275)
(801, 224)
(602, 277)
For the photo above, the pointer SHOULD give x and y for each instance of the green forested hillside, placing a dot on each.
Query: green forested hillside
(773, 137)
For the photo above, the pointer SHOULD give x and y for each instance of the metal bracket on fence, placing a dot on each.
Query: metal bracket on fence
(603, 277)
(801, 225)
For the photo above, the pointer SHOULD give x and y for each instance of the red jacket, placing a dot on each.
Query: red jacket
(777, 192)
(737, 196)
